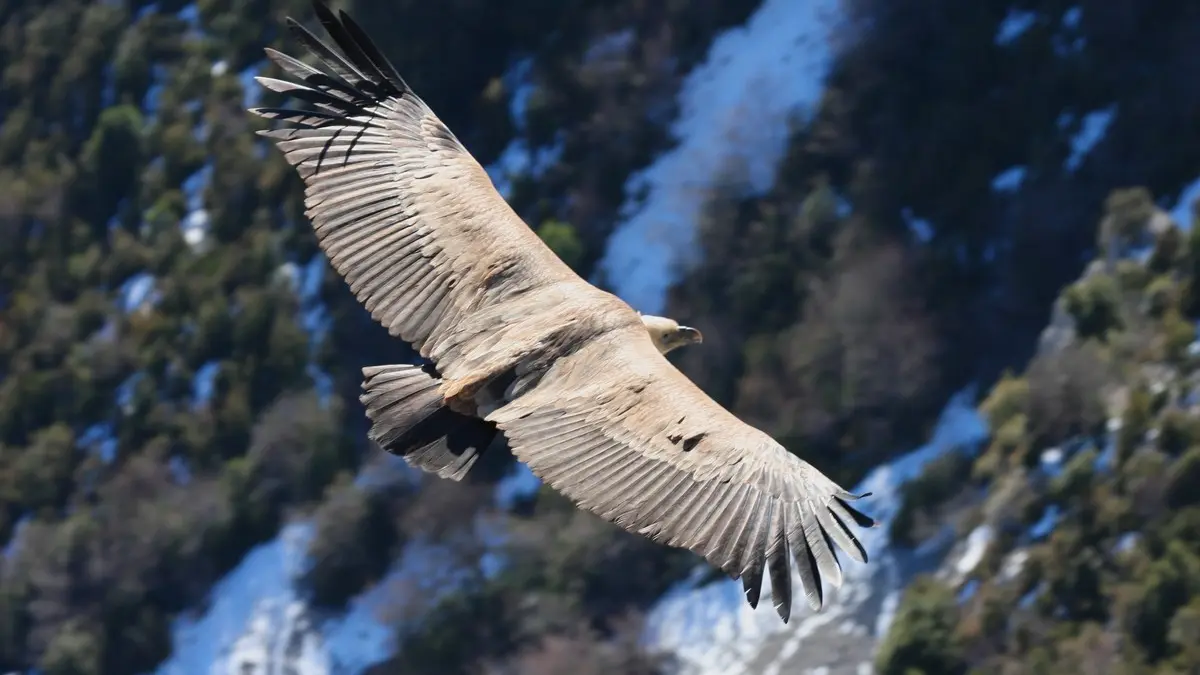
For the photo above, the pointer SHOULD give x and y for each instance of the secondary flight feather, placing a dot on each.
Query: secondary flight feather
(517, 344)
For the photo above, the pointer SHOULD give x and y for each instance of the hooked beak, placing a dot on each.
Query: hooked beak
(690, 335)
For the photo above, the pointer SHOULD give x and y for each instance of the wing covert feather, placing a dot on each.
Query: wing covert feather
(622, 433)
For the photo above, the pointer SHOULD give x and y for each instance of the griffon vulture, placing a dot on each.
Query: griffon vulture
(518, 344)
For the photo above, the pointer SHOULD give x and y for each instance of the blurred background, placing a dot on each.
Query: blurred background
(942, 249)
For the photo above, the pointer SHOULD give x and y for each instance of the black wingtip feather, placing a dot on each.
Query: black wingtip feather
(752, 589)
(361, 64)
(814, 589)
(322, 99)
(367, 46)
(358, 49)
(780, 572)
(860, 518)
(337, 63)
(337, 33)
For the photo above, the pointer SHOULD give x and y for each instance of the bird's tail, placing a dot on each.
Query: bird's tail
(409, 418)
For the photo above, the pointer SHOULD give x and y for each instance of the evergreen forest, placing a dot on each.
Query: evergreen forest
(180, 369)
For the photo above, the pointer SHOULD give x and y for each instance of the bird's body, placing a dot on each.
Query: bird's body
(518, 344)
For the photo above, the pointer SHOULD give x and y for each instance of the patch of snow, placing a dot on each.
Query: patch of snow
(313, 276)
(1065, 47)
(251, 90)
(1127, 542)
(288, 274)
(145, 10)
(1013, 564)
(1092, 129)
(315, 319)
(125, 392)
(107, 333)
(612, 45)
(195, 224)
(385, 469)
(1045, 525)
(138, 293)
(14, 540)
(891, 602)
(735, 107)
(1029, 598)
(1014, 25)
(99, 438)
(1071, 42)
(518, 80)
(114, 221)
(313, 316)
(202, 383)
(1104, 460)
(153, 92)
(1052, 461)
(195, 228)
(1182, 213)
(976, 546)
(919, 227)
(257, 623)
(190, 14)
(968, 590)
(204, 644)
(518, 159)
(520, 483)
(1009, 180)
(357, 640)
(1193, 348)
(322, 384)
(1072, 16)
(278, 634)
(180, 470)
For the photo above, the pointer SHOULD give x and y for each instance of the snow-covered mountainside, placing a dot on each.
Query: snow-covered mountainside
(256, 624)
(734, 107)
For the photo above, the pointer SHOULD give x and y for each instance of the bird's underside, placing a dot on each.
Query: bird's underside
(517, 344)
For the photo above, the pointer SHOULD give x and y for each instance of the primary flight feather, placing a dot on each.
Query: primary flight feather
(518, 344)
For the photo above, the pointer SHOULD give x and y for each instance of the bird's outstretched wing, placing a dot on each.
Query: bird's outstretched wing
(622, 433)
(403, 211)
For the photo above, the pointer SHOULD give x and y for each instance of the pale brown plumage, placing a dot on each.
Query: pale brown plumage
(519, 344)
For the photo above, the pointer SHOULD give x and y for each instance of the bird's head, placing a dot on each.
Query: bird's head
(668, 335)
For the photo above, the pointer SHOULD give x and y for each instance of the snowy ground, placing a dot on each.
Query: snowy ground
(734, 112)
(257, 624)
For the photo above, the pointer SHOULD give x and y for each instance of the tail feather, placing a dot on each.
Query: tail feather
(409, 419)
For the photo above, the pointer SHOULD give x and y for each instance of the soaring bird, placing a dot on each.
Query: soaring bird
(515, 343)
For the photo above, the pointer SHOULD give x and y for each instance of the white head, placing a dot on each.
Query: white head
(668, 335)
